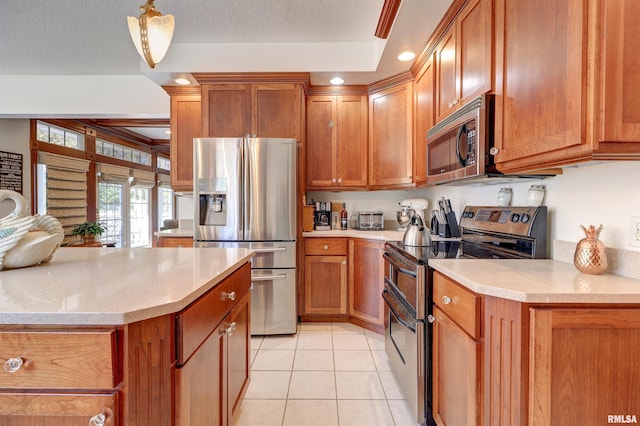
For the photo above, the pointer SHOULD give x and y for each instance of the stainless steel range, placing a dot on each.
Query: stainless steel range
(487, 232)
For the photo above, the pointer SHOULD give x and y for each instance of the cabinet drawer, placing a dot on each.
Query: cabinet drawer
(198, 320)
(175, 242)
(59, 409)
(460, 304)
(325, 246)
(59, 360)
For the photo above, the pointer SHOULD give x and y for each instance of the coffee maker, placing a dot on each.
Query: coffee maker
(408, 208)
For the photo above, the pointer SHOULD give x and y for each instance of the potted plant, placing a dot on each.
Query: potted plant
(88, 232)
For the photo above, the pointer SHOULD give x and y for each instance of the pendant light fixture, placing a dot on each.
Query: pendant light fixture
(151, 33)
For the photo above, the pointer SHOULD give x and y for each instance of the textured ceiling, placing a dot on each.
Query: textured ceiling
(77, 44)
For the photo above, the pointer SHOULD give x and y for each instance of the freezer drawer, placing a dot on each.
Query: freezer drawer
(269, 254)
(273, 301)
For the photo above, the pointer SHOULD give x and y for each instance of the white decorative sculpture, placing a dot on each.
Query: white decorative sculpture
(27, 240)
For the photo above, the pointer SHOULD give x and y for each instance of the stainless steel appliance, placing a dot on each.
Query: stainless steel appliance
(460, 148)
(244, 193)
(368, 221)
(487, 232)
(408, 207)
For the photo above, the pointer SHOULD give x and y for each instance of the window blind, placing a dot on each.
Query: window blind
(112, 173)
(164, 181)
(142, 179)
(66, 189)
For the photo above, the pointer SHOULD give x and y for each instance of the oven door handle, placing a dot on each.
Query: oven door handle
(394, 262)
(401, 316)
(462, 130)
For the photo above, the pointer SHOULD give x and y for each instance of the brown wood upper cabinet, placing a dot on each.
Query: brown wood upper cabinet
(424, 117)
(336, 142)
(261, 110)
(567, 76)
(185, 125)
(464, 58)
(391, 137)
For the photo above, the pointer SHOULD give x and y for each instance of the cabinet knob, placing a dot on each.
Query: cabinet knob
(231, 328)
(494, 150)
(333, 180)
(98, 420)
(431, 319)
(230, 296)
(344, 263)
(446, 299)
(13, 364)
(339, 180)
(326, 247)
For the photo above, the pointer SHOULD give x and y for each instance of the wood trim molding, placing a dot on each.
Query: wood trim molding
(338, 90)
(182, 90)
(390, 82)
(387, 17)
(248, 78)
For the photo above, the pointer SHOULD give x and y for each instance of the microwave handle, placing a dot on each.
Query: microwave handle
(461, 130)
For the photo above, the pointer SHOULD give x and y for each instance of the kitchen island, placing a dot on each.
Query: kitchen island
(126, 336)
(533, 342)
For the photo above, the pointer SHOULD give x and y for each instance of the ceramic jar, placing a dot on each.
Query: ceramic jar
(535, 196)
(504, 197)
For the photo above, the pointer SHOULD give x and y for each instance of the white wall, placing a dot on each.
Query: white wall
(607, 194)
(14, 137)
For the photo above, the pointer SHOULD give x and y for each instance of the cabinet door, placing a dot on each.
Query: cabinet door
(201, 384)
(474, 37)
(226, 110)
(366, 281)
(583, 365)
(457, 379)
(321, 141)
(446, 94)
(34, 409)
(276, 110)
(186, 122)
(621, 70)
(238, 354)
(424, 118)
(541, 70)
(325, 285)
(391, 137)
(351, 148)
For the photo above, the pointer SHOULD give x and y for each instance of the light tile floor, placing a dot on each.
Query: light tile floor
(328, 374)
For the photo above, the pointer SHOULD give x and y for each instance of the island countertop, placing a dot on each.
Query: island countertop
(538, 281)
(113, 286)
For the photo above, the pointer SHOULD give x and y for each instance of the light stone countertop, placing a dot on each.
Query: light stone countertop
(176, 232)
(113, 286)
(390, 235)
(538, 281)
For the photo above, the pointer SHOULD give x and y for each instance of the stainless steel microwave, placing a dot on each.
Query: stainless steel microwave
(458, 148)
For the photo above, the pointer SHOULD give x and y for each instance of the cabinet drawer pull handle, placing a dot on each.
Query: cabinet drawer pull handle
(98, 420)
(230, 295)
(446, 300)
(431, 319)
(326, 247)
(13, 364)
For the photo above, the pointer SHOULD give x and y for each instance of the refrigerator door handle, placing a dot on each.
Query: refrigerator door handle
(269, 249)
(268, 277)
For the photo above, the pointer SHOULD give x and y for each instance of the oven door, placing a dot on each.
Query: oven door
(405, 348)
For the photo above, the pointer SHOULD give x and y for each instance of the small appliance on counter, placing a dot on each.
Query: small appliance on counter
(322, 216)
(409, 207)
(367, 221)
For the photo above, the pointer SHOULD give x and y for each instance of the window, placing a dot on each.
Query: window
(163, 163)
(59, 136)
(111, 211)
(121, 152)
(165, 204)
(127, 227)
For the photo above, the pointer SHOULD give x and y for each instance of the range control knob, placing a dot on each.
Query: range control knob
(524, 218)
(515, 217)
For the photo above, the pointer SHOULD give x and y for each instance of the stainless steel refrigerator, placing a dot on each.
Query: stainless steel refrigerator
(245, 196)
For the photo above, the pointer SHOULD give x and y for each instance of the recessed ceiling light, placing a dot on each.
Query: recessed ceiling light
(406, 56)
(182, 81)
(337, 80)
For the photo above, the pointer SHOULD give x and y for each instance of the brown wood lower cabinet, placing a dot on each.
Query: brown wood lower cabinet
(325, 277)
(532, 364)
(186, 368)
(366, 281)
(175, 242)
